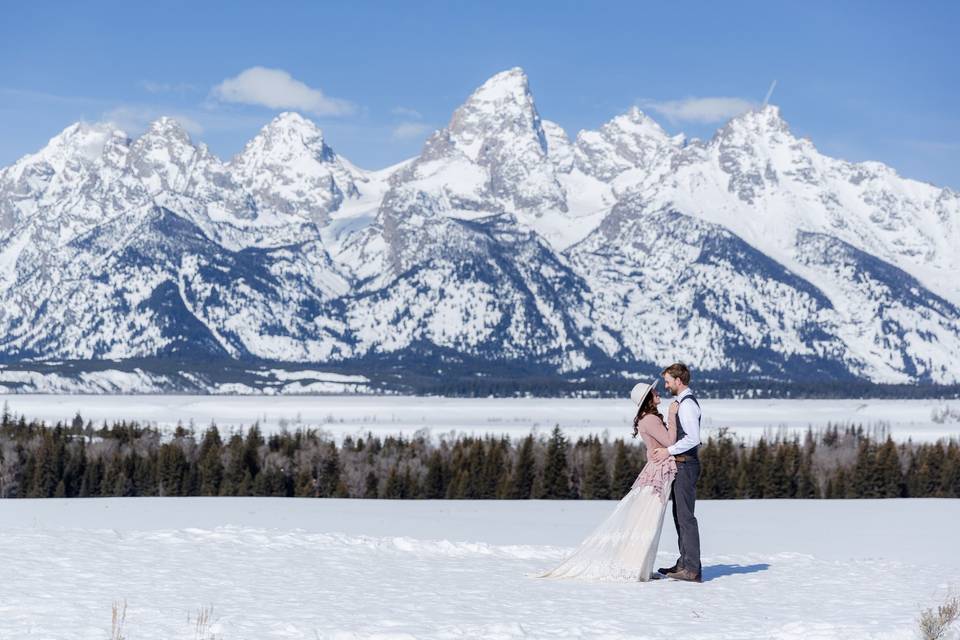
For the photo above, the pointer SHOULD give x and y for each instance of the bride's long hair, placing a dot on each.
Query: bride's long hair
(649, 406)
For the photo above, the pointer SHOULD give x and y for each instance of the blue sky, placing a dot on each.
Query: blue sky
(864, 80)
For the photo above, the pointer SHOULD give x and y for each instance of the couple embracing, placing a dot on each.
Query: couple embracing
(624, 546)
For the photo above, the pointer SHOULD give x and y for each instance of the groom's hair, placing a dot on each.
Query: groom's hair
(679, 371)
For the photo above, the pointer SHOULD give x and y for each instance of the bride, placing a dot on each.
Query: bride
(624, 546)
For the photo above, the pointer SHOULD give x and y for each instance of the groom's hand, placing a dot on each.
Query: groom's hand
(659, 454)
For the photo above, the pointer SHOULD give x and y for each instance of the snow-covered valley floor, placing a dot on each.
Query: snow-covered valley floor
(311, 568)
(921, 420)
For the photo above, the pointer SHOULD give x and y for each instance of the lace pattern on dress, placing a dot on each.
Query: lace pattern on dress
(658, 477)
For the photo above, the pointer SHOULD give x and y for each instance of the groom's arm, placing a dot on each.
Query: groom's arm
(689, 415)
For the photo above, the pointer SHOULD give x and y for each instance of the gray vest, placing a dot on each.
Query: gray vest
(681, 433)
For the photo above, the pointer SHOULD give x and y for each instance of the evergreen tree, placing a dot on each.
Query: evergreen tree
(210, 464)
(841, 484)
(596, 485)
(556, 479)
(759, 471)
(718, 467)
(744, 486)
(625, 470)
(930, 471)
(371, 486)
(251, 450)
(272, 481)
(124, 466)
(806, 484)
(396, 487)
(524, 471)
(495, 475)
(305, 485)
(866, 481)
(474, 477)
(92, 478)
(48, 467)
(888, 471)
(435, 484)
(237, 470)
(74, 468)
(173, 469)
(328, 480)
(950, 475)
(145, 476)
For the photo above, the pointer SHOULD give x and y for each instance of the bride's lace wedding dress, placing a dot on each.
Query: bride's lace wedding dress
(624, 546)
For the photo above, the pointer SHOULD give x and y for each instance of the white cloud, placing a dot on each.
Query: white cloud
(699, 110)
(407, 113)
(136, 119)
(409, 130)
(277, 89)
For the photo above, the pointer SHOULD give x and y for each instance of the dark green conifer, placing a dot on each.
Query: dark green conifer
(596, 482)
(556, 479)
(524, 471)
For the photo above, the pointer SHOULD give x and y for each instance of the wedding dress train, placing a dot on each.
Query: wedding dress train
(624, 546)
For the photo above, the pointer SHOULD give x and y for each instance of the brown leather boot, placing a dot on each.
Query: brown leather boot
(667, 570)
(686, 575)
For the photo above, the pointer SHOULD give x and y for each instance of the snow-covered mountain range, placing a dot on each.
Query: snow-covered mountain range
(505, 246)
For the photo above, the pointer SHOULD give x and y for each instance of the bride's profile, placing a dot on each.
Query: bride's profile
(624, 546)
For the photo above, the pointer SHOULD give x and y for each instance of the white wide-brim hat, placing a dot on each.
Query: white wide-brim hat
(640, 391)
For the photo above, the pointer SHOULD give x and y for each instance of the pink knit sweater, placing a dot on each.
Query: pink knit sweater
(655, 434)
(658, 476)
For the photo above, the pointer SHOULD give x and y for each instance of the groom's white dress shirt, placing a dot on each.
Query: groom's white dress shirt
(689, 415)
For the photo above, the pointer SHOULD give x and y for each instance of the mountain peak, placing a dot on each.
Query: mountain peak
(290, 134)
(290, 170)
(638, 124)
(83, 139)
(167, 127)
(501, 109)
(504, 96)
(81, 142)
(763, 121)
(497, 137)
(294, 122)
(511, 85)
(628, 141)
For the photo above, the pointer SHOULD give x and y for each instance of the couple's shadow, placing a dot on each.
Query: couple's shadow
(722, 570)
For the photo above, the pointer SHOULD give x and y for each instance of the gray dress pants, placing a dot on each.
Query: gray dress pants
(684, 501)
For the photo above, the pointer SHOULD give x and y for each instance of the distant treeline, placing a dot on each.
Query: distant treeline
(126, 459)
(455, 386)
(431, 371)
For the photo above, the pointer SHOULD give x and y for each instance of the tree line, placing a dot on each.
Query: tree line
(78, 459)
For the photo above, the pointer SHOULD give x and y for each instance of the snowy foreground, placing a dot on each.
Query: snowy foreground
(922, 420)
(308, 568)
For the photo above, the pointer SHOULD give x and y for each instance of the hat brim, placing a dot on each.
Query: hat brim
(650, 387)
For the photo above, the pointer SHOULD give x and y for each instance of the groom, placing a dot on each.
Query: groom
(686, 411)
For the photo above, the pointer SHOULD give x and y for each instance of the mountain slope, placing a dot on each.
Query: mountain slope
(504, 248)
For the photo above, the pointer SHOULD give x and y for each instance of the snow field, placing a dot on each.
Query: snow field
(302, 568)
(342, 415)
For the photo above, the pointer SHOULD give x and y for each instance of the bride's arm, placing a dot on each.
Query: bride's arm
(655, 429)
